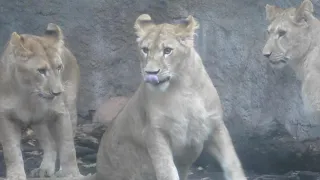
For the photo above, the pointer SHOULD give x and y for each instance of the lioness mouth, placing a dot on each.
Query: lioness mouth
(46, 97)
(164, 80)
(277, 62)
(154, 80)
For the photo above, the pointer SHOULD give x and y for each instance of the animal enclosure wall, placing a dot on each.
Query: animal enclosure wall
(263, 107)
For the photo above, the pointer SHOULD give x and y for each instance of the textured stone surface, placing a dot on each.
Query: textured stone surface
(263, 108)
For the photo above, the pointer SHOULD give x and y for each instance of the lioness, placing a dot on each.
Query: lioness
(172, 117)
(294, 39)
(39, 80)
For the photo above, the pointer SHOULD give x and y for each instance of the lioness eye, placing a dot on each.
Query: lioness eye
(59, 67)
(167, 50)
(282, 33)
(42, 71)
(145, 50)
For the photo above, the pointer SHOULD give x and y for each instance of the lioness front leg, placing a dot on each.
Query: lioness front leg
(184, 165)
(161, 156)
(221, 147)
(63, 134)
(48, 164)
(10, 134)
(183, 171)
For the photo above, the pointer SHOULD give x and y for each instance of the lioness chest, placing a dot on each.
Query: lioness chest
(34, 110)
(185, 120)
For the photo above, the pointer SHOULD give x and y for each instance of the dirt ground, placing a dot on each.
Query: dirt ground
(87, 142)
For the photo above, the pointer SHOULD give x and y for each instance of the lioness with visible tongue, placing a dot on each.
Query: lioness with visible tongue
(173, 116)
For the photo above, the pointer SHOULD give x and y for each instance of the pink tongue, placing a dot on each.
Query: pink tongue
(151, 79)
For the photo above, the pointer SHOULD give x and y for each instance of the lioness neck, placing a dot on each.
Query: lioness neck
(7, 78)
(308, 63)
(4, 64)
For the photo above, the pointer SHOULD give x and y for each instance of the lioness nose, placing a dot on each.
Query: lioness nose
(152, 71)
(267, 54)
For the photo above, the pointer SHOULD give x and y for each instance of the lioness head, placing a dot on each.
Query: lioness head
(289, 33)
(164, 48)
(36, 63)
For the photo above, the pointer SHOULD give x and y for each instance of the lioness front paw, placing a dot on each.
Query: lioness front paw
(16, 177)
(62, 173)
(42, 172)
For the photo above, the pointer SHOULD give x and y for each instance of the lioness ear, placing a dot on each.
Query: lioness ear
(186, 30)
(54, 30)
(55, 37)
(304, 11)
(189, 25)
(142, 24)
(18, 49)
(272, 12)
(16, 39)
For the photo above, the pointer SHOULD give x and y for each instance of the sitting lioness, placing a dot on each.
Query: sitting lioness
(39, 80)
(172, 117)
(294, 39)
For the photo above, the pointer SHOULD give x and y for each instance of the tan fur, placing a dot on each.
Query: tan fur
(294, 40)
(163, 128)
(39, 80)
(109, 110)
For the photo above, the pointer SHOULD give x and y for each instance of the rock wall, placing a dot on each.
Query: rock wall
(260, 103)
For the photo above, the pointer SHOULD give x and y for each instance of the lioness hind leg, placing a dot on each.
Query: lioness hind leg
(10, 134)
(220, 146)
(70, 100)
(47, 167)
(73, 116)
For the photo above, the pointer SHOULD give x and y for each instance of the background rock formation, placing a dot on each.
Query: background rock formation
(263, 107)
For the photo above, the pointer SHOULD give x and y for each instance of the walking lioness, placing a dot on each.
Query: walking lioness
(39, 80)
(172, 117)
(294, 40)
